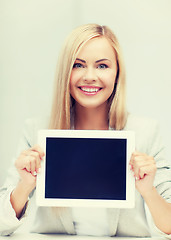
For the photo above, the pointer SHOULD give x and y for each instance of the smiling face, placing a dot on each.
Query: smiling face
(93, 74)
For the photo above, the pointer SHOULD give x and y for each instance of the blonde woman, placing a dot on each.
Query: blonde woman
(90, 94)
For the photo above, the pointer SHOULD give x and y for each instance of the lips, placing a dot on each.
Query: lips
(90, 90)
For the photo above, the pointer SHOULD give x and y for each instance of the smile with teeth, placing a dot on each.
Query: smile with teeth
(90, 89)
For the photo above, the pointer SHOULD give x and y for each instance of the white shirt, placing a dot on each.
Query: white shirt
(136, 222)
(90, 221)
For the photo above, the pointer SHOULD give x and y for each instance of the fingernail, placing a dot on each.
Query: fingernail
(35, 173)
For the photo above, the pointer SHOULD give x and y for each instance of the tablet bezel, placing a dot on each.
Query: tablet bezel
(104, 134)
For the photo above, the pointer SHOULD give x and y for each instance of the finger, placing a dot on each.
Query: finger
(27, 164)
(147, 170)
(25, 152)
(38, 149)
(135, 160)
(133, 156)
(140, 163)
(29, 160)
(37, 159)
(33, 165)
(23, 161)
(136, 155)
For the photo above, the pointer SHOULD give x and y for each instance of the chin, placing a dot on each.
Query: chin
(92, 106)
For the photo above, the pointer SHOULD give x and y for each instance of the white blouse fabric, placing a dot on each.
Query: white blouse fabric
(136, 222)
(90, 221)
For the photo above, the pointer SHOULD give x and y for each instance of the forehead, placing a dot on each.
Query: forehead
(98, 47)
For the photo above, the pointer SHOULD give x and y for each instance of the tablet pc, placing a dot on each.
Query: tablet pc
(86, 168)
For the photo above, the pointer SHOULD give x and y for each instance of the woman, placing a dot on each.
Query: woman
(90, 94)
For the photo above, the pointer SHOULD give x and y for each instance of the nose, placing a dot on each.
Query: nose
(90, 75)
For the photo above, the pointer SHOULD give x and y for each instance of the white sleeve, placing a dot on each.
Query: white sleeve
(163, 175)
(8, 220)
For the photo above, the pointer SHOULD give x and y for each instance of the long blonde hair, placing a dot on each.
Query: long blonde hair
(62, 102)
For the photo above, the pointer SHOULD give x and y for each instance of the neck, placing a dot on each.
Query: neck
(91, 119)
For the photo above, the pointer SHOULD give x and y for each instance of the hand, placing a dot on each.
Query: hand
(144, 169)
(28, 165)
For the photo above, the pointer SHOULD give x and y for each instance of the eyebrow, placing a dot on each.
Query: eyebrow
(100, 60)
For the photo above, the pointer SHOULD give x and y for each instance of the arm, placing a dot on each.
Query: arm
(160, 210)
(14, 192)
(28, 165)
(19, 198)
(144, 168)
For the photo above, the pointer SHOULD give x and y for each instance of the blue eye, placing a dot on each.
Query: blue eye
(77, 65)
(102, 66)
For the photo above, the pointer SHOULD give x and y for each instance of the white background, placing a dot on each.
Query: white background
(32, 33)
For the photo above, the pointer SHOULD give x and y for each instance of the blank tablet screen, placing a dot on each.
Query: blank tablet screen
(85, 168)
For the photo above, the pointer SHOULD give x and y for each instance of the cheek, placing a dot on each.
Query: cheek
(75, 77)
(73, 82)
(109, 80)
(72, 77)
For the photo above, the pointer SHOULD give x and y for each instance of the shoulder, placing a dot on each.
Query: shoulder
(147, 132)
(37, 122)
(140, 123)
(32, 126)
